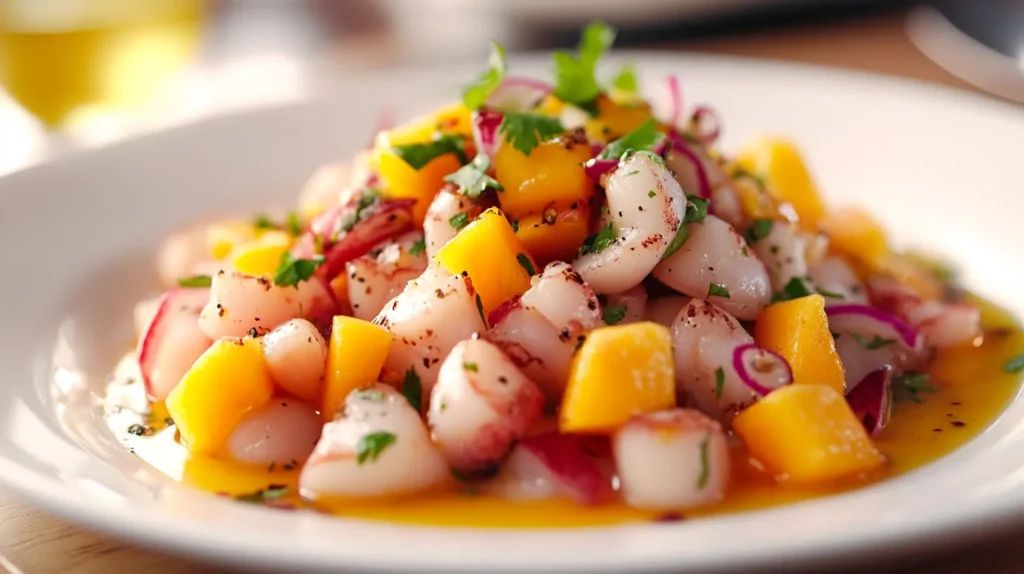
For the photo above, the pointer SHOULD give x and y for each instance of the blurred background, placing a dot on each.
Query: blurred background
(79, 73)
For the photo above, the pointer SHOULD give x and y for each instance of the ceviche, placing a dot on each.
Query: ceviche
(556, 295)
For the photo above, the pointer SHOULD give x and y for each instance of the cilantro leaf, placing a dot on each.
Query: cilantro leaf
(625, 81)
(1015, 364)
(831, 294)
(526, 131)
(872, 344)
(719, 382)
(696, 212)
(369, 447)
(418, 247)
(195, 281)
(271, 492)
(292, 271)
(459, 220)
(477, 93)
(614, 314)
(525, 262)
(599, 241)
(907, 385)
(794, 289)
(759, 229)
(294, 224)
(472, 367)
(718, 290)
(643, 138)
(263, 221)
(702, 480)
(472, 179)
(420, 154)
(575, 80)
(412, 388)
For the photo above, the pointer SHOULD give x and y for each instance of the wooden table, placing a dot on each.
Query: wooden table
(36, 542)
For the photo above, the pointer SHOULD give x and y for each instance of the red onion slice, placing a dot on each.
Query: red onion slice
(871, 399)
(518, 94)
(485, 131)
(760, 369)
(675, 98)
(706, 124)
(597, 167)
(864, 319)
(678, 144)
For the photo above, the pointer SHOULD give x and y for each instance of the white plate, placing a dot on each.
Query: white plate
(940, 167)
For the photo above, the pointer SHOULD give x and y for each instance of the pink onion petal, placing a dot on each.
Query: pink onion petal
(706, 115)
(596, 148)
(679, 144)
(675, 98)
(518, 94)
(596, 167)
(873, 321)
(871, 399)
(485, 131)
(744, 362)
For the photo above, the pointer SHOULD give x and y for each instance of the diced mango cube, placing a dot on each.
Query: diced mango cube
(261, 257)
(355, 355)
(616, 119)
(798, 330)
(551, 176)
(856, 234)
(551, 235)
(225, 383)
(222, 238)
(495, 260)
(807, 433)
(450, 119)
(618, 373)
(780, 163)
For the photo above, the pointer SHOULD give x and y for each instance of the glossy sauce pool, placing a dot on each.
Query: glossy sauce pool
(972, 389)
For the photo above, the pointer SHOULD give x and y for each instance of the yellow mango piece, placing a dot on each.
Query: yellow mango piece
(798, 330)
(222, 238)
(781, 164)
(225, 383)
(615, 120)
(619, 372)
(355, 355)
(450, 119)
(807, 433)
(496, 261)
(856, 234)
(554, 236)
(552, 176)
(262, 257)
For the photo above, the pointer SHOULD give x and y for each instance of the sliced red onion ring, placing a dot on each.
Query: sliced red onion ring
(518, 94)
(871, 399)
(596, 148)
(485, 131)
(706, 124)
(678, 144)
(760, 369)
(865, 319)
(675, 98)
(596, 167)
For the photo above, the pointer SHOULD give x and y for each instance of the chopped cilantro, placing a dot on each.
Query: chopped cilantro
(263, 221)
(418, 247)
(759, 229)
(907, 385)
(459, 220)
(292, 271)
(515, 226)
(1015, 364)
(830, 294)
(625, 81)
(472, 367)
(575, 81)
(599, 241)
(526, 131)
(643, 138)
(650, 193)
(412, 388)
(371, 395)
(477, 93)
(718, 290)
(794, 289)
(702, 480)
(472, 179)
(370, 446)
(480, 309)
(271, 492)
(614, 314)
(696, 212)
(525, 262)
(872, 344)
(420, 154)
(367, 199)
(195, 281)
(294, 224)
(719, 382)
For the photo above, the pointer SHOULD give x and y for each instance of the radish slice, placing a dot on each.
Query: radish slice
(597, 167)
(760, 369)
(706, 125)
(867, 320)
(172, 341)
(678, 145)
(485, 131)
(552, 465)
(871, 400)
(675, 99)
(518, 94)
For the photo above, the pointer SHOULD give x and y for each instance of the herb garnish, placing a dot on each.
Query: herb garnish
(195, 281)
(370, 446)
(643, 138)
(599, 241)
(418, 247)
(292, 271)
(1015, 364)
(526, 131)
(477, 93)
(702, 480)
(472, 367)
(625, 81)
(719, 382)
(614, 314)
(575, 80)
(908, 384)
(263, 221)
(412, 388)
(759, 229)
(271, 492)
(873, 344)
(651, 193)
(459, 220)
(795, 288)
(367, 199)
(420, 154)
(472, 179)
(526, 264)
(718, 290)
(831, 294)
(696, 212)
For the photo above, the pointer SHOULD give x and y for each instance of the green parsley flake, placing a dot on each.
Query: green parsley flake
(472, 367)
(294, 224)
(371, 395)
(526, 131)
(575, 80)
(195, 281)
(625, 82)
(831, 294)
(515, 226)
(909, 384)
(367, 199)
(794, 289)
(525, 262)
(418, 247)
(292, 271)
(1015, 364)
(651, 193)
(643, 138)
(370, 446)
(263, 221)
(419, 155)
(696, 212)
(599, 241)
(759, 229)
(718, 290)
(477, 93)
(614, 314)
(702, 480)
(412, 389)
(271, 492)
(480, 309)
(459, 220)
(873, 344)
(472, 179)
(719, 382)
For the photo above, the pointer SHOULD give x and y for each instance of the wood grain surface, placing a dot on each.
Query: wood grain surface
(37, 543)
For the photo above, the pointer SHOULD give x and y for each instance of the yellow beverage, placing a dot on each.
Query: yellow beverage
(58, 56)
